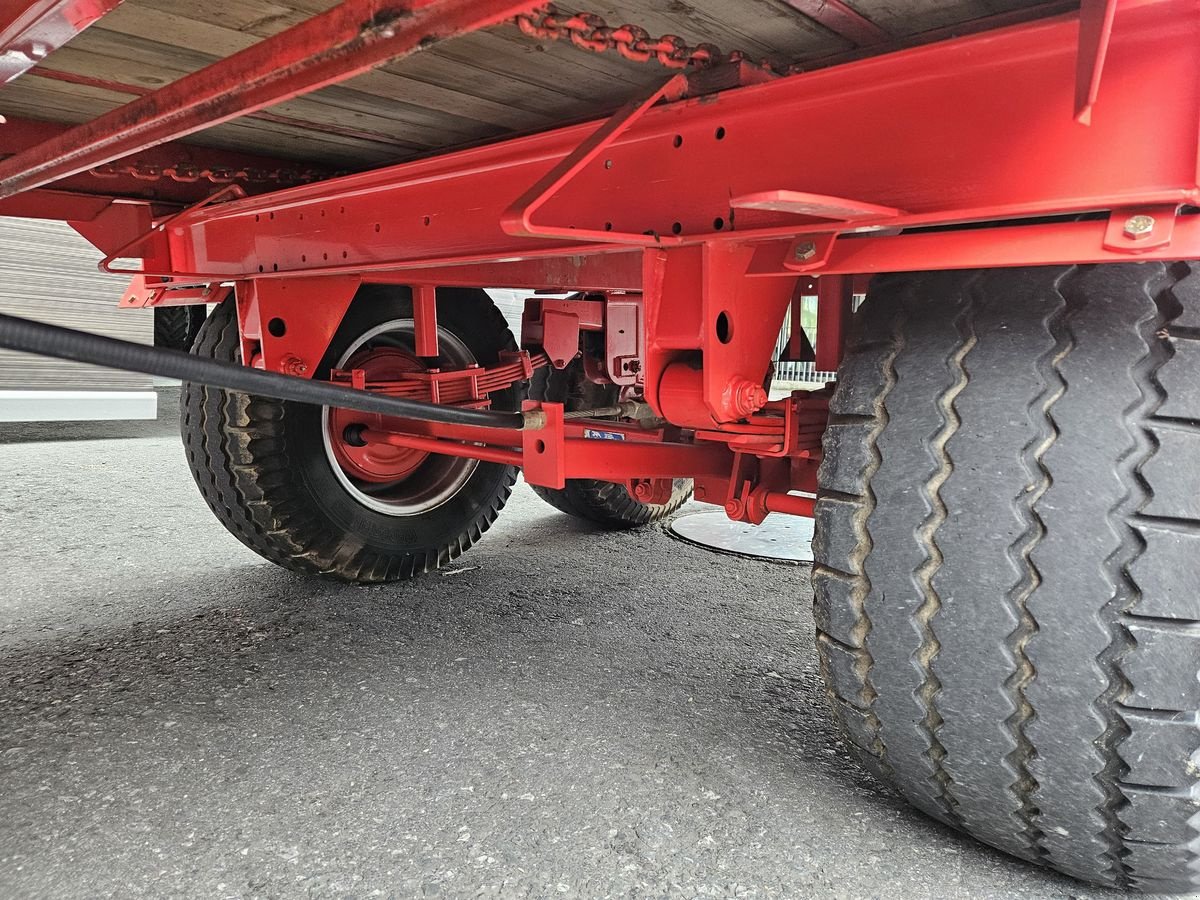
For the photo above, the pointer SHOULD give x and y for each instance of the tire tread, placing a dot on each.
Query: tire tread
(237, 449)
(1060, 719)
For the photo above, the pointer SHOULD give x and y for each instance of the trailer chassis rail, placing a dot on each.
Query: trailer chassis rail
(1002, 148)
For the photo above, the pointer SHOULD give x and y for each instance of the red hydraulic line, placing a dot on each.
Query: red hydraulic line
(31, 29)
(351, 38)
(448, 448)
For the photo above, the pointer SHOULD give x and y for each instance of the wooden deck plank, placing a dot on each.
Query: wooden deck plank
(45, 100)
(212, 38)
(138, 60)
(905, 19)
(408, 129)
(478, 87)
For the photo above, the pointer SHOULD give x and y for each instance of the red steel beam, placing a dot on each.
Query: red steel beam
(1058, 243)
(975, 129)
(351, 38)
(31, 29)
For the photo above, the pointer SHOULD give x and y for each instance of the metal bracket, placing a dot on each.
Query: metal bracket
(821, 206)
(230, 191)
(542, 448)
(1095, 32)
(1138, 229)
(286, 325)
(517, 220)
(141, 295)
(809, 252)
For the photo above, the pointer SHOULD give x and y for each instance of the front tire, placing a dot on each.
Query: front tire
(1007, 592)
(277, 476)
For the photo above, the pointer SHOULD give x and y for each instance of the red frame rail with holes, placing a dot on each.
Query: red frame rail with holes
(710, 207)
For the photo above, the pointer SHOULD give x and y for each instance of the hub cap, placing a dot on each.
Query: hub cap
(395, 481)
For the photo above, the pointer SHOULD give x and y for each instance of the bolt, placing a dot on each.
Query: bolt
(804, 251)
(733, 509)
(641, 491)
(746, 397)
(1138, 227)
(293, 365)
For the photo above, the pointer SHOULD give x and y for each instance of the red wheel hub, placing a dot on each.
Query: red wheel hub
(376, 463)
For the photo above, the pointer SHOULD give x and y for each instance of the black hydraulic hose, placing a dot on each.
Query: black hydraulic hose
(79, 346)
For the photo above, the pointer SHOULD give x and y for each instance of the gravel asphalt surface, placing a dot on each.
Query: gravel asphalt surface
(562, 713)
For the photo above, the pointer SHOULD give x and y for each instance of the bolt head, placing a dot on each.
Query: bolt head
(1139, 226)
(805, 251)
(293, 365)
(747, 397)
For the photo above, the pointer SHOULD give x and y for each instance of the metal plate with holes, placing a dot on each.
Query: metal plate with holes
(779, 538)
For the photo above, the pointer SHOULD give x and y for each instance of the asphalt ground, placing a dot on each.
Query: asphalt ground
(561, 713)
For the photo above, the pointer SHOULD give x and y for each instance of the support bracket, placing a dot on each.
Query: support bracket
(517, 220)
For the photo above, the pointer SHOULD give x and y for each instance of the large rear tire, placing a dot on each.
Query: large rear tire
(280, 478)
(1007, 587)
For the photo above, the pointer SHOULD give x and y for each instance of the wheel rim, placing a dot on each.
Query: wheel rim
(395, 481)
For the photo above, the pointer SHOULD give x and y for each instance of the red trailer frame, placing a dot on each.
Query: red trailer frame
(1005, 614)
(996, 149)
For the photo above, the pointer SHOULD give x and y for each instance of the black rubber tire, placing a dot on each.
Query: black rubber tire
(603, 502)
(176, 327)
(262, 467)
(1007, 593)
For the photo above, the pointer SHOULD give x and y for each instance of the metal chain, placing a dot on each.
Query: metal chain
(187, 173)
(585, 30)
(591, 32)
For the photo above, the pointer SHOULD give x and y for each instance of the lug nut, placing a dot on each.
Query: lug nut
(1138, 227)
(746, 397)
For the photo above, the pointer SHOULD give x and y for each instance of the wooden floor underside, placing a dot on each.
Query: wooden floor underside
(474, 88)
